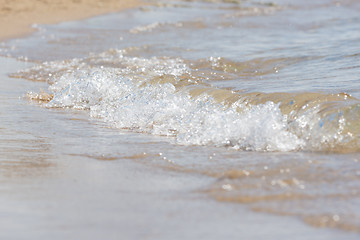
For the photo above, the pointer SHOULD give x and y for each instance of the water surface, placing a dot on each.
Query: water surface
(262, 97)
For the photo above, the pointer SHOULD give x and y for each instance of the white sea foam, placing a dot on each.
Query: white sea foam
(144, 95)
(152, 26)
(119, 96)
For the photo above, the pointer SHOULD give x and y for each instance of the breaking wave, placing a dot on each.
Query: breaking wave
(172, 97)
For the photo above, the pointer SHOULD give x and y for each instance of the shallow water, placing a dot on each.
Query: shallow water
(262, 98)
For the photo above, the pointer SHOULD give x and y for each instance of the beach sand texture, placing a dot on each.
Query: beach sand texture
(17, 16)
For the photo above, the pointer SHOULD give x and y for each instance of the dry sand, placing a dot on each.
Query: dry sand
(17, 16)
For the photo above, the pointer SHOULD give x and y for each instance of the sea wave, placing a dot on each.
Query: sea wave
(173, 97)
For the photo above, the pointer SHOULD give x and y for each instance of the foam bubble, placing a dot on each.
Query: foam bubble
(153, 96)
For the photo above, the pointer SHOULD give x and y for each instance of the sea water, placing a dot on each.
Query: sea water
(263, 97)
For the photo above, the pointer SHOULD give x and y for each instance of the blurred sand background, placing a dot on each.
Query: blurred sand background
(17, 16)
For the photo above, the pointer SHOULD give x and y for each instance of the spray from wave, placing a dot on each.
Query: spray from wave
(173, 97)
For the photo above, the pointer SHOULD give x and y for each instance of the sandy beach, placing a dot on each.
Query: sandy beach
(142, 132)
(17, 16)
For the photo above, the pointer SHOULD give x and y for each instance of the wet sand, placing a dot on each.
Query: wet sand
(17, 16)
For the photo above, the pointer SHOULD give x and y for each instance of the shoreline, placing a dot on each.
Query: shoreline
(57, 186)
(17, 16)
(67, 176)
